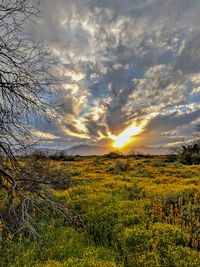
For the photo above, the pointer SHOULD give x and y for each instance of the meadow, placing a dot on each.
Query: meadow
(135, 211)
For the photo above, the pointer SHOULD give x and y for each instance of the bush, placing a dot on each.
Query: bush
(100, 223)
(113, 155)
(122, 166)
(136, 239)
(196, 158)
(36, 155)
(139, 155)
(171, 158)
(119, 166)
(190, 153)
(169, 235)
(61, 156)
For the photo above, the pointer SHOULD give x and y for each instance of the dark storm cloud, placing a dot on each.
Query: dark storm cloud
(122, 62)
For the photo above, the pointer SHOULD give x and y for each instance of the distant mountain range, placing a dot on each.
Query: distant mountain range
(149, 150)
(89, 150)
(86, 150)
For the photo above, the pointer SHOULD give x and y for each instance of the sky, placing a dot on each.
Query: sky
(122, 64)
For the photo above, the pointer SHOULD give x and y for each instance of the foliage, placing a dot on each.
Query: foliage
(171, 158)
(33, 194)
(189, 153)
(138, 155)
(113, 155)
(61, 156)
(149, 215)
(119, 166)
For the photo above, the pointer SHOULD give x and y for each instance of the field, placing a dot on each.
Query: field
(130, 212)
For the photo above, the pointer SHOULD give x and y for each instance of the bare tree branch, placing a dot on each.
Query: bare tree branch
(26, 80)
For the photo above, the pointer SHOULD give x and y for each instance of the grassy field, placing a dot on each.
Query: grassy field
(134, 212)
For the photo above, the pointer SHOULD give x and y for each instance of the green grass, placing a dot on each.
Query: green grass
(136, 213)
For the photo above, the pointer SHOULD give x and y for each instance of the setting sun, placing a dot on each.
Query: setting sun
(126, 136)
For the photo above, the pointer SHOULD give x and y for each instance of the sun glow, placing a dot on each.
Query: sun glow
(126, 136)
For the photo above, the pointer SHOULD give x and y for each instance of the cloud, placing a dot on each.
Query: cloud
(123, 62)
(43, 136)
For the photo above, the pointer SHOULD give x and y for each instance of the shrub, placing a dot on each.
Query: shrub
(100, 223)
(190, 153)
(61, 156)
(169, 235)
(171, 158)
(138, 155)
(196, 158)
(119, 166)
(36, 155)
(134, 191)
(122, 166)
(158, 164)
(142, 173)
(122, 178)
(113, 155)
(135, 239)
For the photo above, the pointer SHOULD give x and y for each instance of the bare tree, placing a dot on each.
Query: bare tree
(25, 81)
(25, 76)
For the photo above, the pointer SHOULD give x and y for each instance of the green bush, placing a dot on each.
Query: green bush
(100, 223)
(113, 155)
(165, 235)
(190, 153)
(61, 156)
(136, 238)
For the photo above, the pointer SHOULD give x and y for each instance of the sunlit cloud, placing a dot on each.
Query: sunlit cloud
(125, 137)
(75, 76)
(179, 143)
(43, 135)
(74, 134)
(73, 87)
